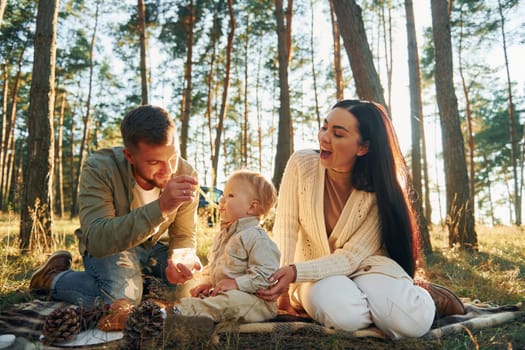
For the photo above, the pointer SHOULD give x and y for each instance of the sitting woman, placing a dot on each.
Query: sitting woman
(347, 232)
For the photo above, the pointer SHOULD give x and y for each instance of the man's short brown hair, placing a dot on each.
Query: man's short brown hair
(148, 124)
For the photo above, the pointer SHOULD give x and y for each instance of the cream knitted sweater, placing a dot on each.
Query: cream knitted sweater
(354, 246)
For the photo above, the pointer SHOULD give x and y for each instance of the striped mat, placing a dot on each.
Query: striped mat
(26, 321)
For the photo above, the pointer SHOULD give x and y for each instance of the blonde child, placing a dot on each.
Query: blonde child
(242, 257)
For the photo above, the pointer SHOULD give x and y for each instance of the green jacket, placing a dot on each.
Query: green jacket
(109, 226)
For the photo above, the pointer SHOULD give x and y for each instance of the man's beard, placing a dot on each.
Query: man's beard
(151, 181)
(155, 183)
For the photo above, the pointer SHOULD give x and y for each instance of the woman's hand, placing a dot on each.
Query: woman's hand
(282, 278)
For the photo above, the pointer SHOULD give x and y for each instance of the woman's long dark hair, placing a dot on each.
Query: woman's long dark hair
(383, 171)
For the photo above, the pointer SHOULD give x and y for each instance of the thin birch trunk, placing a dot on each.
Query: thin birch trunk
(224, 100)
(338, 70)
(185, 112)
(514, 140)
(141, 25)
(87, 120)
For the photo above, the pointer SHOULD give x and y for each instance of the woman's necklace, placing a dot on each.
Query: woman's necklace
(340, 180)
(340, 172)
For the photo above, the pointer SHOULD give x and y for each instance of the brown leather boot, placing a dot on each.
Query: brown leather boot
(43, 277)
(117, 315)
(447, 303)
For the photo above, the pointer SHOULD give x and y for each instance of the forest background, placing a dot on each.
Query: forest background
(250, 81)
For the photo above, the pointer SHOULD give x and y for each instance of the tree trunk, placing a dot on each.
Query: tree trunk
(141, 25)
(245, 125)
(3, 133)
(460, 219)
(71, 161)
(468, 113)
(428, 206)
(16, 171)
(368, 85)
(259, 113)
(386, 22)
(288, 26)
(312, 59)
(338, 70)
(285, 132)
(86, 135)
(485, 164)
(416, 121)
(224, 101)
(210, 84)
(59, 173)
(3, 139)
(185, 111)
(36, 221)
(3, 4)
(514, 140)
(9, 140)
(9, 173)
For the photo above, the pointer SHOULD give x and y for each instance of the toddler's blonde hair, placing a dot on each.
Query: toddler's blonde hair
(263, 190)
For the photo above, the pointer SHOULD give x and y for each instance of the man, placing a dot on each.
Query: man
(137, 204)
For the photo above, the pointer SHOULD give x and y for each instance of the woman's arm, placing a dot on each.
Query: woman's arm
(286, 227)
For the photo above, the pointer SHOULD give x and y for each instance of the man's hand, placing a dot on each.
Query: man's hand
(179, 189)
(188, 257)
(177, 273)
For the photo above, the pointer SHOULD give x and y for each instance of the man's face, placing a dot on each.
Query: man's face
(153, 165)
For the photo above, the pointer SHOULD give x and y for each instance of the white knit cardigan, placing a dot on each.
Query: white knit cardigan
(354, 246)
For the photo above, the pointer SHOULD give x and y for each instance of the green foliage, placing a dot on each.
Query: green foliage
(493, 158)
(75, 57)
(116, 77)
(17, 27)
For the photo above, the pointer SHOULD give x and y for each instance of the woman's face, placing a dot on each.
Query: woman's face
(340, 141)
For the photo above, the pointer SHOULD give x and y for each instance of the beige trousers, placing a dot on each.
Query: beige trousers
(232, 305)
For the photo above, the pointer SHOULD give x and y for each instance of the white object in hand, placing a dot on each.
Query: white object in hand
(185, 256)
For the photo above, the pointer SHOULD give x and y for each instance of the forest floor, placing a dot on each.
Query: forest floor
(495, 275)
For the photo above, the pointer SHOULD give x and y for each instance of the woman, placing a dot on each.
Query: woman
(346, 230)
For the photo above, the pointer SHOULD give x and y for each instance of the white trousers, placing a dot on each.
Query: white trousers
(395, 305)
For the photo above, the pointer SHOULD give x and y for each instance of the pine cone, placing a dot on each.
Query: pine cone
(154, 288)
(144, 326)
(90, 317)
(61, 325)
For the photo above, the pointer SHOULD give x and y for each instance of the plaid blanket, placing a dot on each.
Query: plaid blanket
(26, 321)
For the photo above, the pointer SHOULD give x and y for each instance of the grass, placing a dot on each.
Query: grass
(495, 275)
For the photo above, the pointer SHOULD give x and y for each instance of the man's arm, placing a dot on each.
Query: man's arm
(108, 226)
